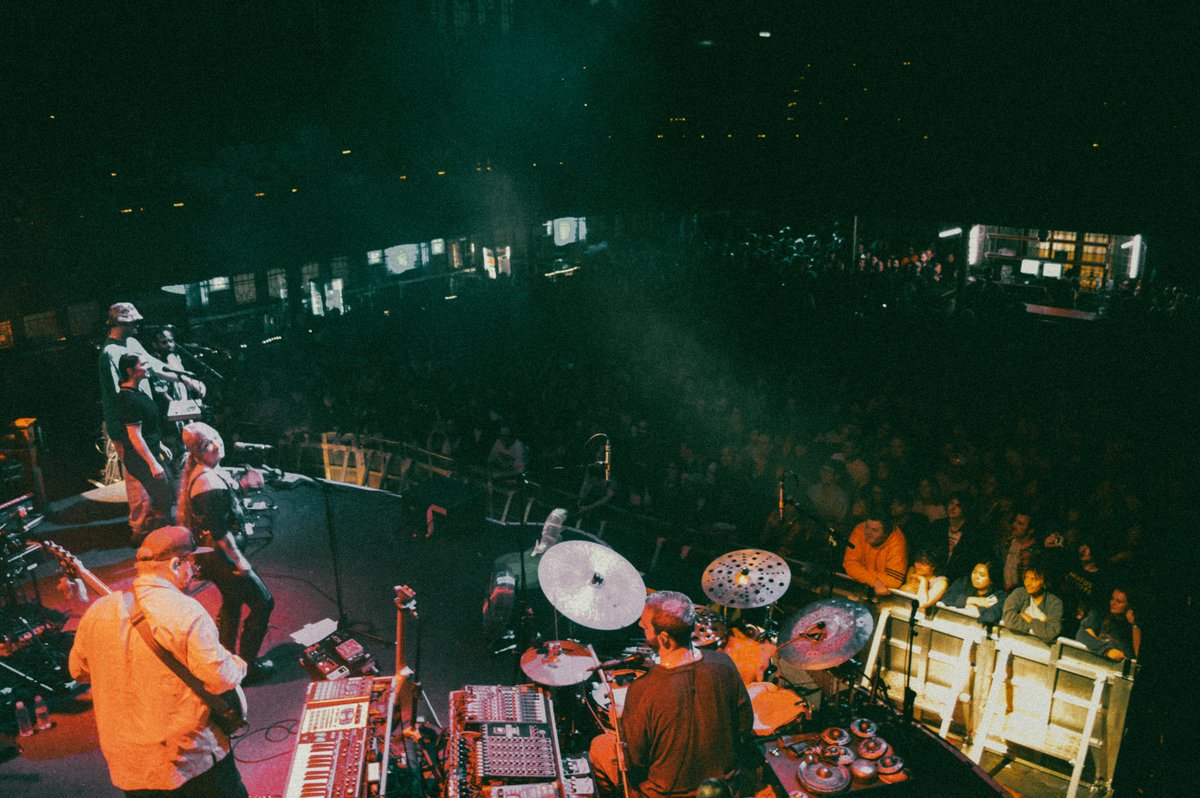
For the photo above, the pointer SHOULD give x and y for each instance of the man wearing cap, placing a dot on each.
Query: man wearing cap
(123, 320)
(154, 730)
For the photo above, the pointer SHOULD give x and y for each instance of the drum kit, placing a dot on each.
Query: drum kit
(595, 587)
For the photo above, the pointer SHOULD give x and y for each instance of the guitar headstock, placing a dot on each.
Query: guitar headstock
(66, 560)
(406, 598)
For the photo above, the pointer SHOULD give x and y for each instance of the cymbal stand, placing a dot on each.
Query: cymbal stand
(615, 719)
(524, 608)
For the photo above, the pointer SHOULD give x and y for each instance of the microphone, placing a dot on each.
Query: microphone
(781, 500)
(180, 372)
(607, 457)
(199, 348)
(242, 446)
(636, 658)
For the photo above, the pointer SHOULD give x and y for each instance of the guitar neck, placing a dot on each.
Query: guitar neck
(74, 569)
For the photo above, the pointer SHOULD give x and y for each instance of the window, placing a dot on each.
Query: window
(84, 318)
(218, 284)
(339, 267)
(245, 292)
(277, 283)
(309, 272)
(6, 336)
(42, 326)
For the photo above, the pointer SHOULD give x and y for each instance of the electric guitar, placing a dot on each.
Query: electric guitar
(229, 710)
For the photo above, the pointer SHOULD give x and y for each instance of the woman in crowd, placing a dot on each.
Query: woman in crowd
(925, 580)
(979, 593)
(1113, 634)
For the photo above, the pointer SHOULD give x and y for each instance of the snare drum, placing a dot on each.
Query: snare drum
(597, 697)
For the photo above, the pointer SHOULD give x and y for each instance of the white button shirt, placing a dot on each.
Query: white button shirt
(154, 729)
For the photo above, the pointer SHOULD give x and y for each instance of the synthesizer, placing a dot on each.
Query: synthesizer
(343, 740)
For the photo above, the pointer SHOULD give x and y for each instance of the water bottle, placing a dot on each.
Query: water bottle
(41, 714)
(24, 724)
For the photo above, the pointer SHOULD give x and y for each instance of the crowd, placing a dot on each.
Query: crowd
(986, 461)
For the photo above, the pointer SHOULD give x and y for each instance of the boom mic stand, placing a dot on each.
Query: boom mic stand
(344, 620)
(187, 355)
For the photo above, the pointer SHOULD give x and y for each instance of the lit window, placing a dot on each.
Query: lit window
(277, 283)
(6, 335)
(218, 284)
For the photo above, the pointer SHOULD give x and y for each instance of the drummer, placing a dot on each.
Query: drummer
(688, 719)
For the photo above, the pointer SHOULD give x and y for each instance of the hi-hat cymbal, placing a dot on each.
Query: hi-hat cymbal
(591, 584)
(826, 633)
(746, 578)
(558, 663)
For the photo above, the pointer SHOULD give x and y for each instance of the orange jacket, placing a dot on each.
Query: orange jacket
(867, 564)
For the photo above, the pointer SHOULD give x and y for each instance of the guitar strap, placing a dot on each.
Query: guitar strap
(138, 619)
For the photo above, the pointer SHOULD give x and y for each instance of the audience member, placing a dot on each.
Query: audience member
(876, 554)
(1113, 634)
(979, 593)
(925, 580)
(1030, 609)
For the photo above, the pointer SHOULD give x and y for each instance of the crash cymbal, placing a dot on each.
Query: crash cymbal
(558, 663)
(746, 578)
(826, 633)
(591, 584)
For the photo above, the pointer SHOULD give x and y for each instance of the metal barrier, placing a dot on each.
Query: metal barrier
(1007, 692)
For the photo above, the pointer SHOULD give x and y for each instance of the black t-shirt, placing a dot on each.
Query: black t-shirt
(133, 407)
(683, 725)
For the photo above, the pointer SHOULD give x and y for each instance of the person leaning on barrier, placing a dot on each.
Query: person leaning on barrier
(877, 553)
(1030, 609)
(1113, 634)
(978, 594)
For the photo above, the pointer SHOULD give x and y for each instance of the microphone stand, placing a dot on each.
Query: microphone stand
(910, 696)
(615, 720)
(344, 620)
(184, 354)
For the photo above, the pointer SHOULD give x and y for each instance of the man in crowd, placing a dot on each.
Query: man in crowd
(686, 720)
(1019, 546)
(155, 731)
(1030, 609)
(877, 553)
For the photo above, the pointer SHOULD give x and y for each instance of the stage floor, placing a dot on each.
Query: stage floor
(376, 550)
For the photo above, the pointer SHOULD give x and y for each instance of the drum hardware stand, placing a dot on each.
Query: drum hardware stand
(615, 720)
(524, 609)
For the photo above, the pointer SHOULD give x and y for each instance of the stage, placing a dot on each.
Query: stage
(380, 543)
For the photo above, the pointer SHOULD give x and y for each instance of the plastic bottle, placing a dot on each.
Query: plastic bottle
(41, 714)
(24, 724)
